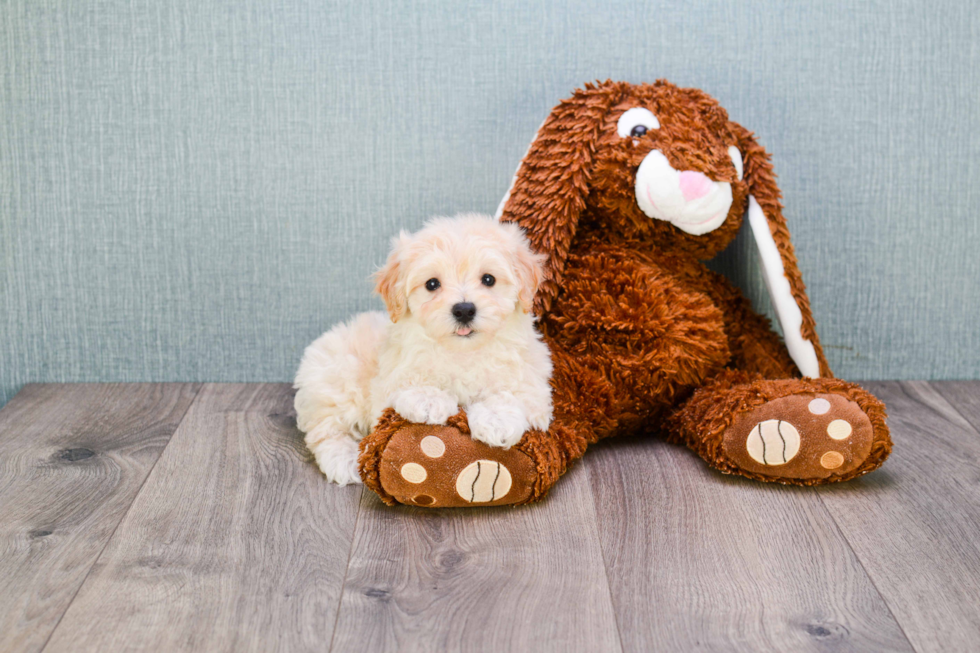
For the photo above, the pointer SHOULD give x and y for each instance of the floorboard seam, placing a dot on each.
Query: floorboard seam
(966, 418)
(840, 531)
(105, 546)
(350, 554)
(602, 554)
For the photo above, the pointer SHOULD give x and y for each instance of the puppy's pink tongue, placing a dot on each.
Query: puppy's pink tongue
(464, 331)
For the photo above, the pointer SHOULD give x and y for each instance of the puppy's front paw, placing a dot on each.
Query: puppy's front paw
(337, 459)
(424, 405)
(496, 424)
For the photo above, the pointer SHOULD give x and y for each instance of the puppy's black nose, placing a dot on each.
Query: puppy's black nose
(464, 312)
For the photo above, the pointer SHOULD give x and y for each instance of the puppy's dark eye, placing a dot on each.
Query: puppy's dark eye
(488, 280)
(432, 284)
(638, 131)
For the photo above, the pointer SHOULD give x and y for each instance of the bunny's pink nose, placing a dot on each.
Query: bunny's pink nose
(694, 185)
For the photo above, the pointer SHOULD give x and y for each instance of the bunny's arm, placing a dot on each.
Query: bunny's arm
(755, 347)
(623, 314)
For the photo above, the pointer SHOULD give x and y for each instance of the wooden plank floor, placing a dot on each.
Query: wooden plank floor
(187, 517)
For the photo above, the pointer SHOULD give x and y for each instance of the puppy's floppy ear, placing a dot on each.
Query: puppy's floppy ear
(780, 269)
(530, 272)
(388, 279)
(552, 182)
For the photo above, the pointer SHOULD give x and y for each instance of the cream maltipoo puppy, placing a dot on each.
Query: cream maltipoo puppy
(458, 333)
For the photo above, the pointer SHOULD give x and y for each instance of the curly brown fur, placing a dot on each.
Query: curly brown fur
(371, 448)
(550, 460)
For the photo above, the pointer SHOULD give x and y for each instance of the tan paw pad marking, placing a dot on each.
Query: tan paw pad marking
(831, 460)
(414, 472)
(839, 430)
(819, 406)
(483, 481)
(432, 446)
(773, 442)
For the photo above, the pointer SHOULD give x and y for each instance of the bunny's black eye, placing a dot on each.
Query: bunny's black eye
(636, 122)
(432, 284)
(488, 280)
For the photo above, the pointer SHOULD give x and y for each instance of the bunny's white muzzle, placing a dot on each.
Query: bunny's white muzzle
(687, 199)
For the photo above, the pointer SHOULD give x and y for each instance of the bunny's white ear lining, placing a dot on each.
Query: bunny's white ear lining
(736, 156)
(790, 316)
(500, 207)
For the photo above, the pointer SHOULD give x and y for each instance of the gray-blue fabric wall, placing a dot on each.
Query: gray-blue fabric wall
(193, 190)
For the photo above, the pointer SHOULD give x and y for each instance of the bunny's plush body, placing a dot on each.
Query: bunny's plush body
(627, 189)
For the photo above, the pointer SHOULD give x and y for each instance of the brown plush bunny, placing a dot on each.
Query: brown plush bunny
(626, 189)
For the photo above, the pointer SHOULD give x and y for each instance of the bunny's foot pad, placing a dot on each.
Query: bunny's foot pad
(443, 467)
(801, 437)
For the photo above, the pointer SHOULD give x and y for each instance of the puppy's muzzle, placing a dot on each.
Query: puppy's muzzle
(464, 312)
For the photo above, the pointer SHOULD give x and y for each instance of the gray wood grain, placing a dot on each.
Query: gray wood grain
(701, 561)
(915, 523)
(497, 579)
(236, 542)
(72, 459)
(119, 529)
(964, 396)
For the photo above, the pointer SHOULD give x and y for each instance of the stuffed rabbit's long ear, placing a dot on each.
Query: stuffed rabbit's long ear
(549, 189)
(780, 269)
